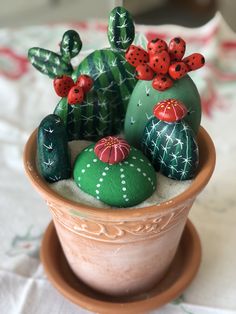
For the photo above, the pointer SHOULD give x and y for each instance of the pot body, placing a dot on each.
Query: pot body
(120, 257)
(121, 251)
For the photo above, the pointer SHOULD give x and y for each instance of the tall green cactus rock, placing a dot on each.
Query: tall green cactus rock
(101, 171)
(52, 149)
(114, 79)
(143, 99)
(170, 143)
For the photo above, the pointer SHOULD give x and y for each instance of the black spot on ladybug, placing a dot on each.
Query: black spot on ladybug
(76, 90)
(178, 68)
(192, 63)
(156, 60)
(177, 40)
(161, 66)
(155, 40)
(141, 61)
(159, 46)
(164, 59)
(139, 49)
(131, 54)
(147, 70)
(164, 79)
(135, 58)
(175, 51)
(133, 62)
(203, 60)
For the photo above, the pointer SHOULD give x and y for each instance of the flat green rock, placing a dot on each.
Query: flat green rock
(125, 184)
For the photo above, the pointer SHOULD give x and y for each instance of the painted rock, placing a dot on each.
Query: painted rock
(143, 99)
(123, 184)
(52, 149)
(170, 143)
(121, 30)
(103, 110)
(112, 149)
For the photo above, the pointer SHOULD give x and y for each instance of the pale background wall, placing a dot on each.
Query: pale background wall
(29, 12)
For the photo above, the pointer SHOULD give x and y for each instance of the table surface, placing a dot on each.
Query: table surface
(27, 96)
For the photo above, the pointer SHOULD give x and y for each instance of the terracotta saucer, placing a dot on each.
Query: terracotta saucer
(182, 271)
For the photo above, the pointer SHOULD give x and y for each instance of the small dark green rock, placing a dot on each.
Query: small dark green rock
(70, 45)
(52, 149)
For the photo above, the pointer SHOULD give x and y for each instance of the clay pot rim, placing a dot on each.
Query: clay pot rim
(206, 168)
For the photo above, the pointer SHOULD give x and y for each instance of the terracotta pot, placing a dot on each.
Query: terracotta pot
(123, 251)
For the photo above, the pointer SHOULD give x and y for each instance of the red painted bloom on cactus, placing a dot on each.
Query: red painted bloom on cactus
(85, 81)
(166, 62)
(112, 149)
(62, 85)
(170, 110)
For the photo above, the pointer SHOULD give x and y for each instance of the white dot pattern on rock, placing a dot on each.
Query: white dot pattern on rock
(126, 169)
(123, 183)
(98, 185)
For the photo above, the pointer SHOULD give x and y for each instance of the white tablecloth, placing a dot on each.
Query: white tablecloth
(26, 97)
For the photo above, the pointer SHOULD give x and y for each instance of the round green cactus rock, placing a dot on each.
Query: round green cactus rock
(123, 184)
(143, 99)
(171, 148)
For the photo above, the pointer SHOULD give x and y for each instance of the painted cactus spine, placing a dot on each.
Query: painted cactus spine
(171, 148)
(52, 149)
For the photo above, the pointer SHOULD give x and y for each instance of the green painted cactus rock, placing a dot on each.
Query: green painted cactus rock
(143, 99)
(52, 149)
(70, 45)
(114, 80)
(121, 30)
(103, 109)
(123, 184)
(170, 143)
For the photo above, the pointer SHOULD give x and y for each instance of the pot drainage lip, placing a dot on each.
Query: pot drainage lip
(180, 274)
